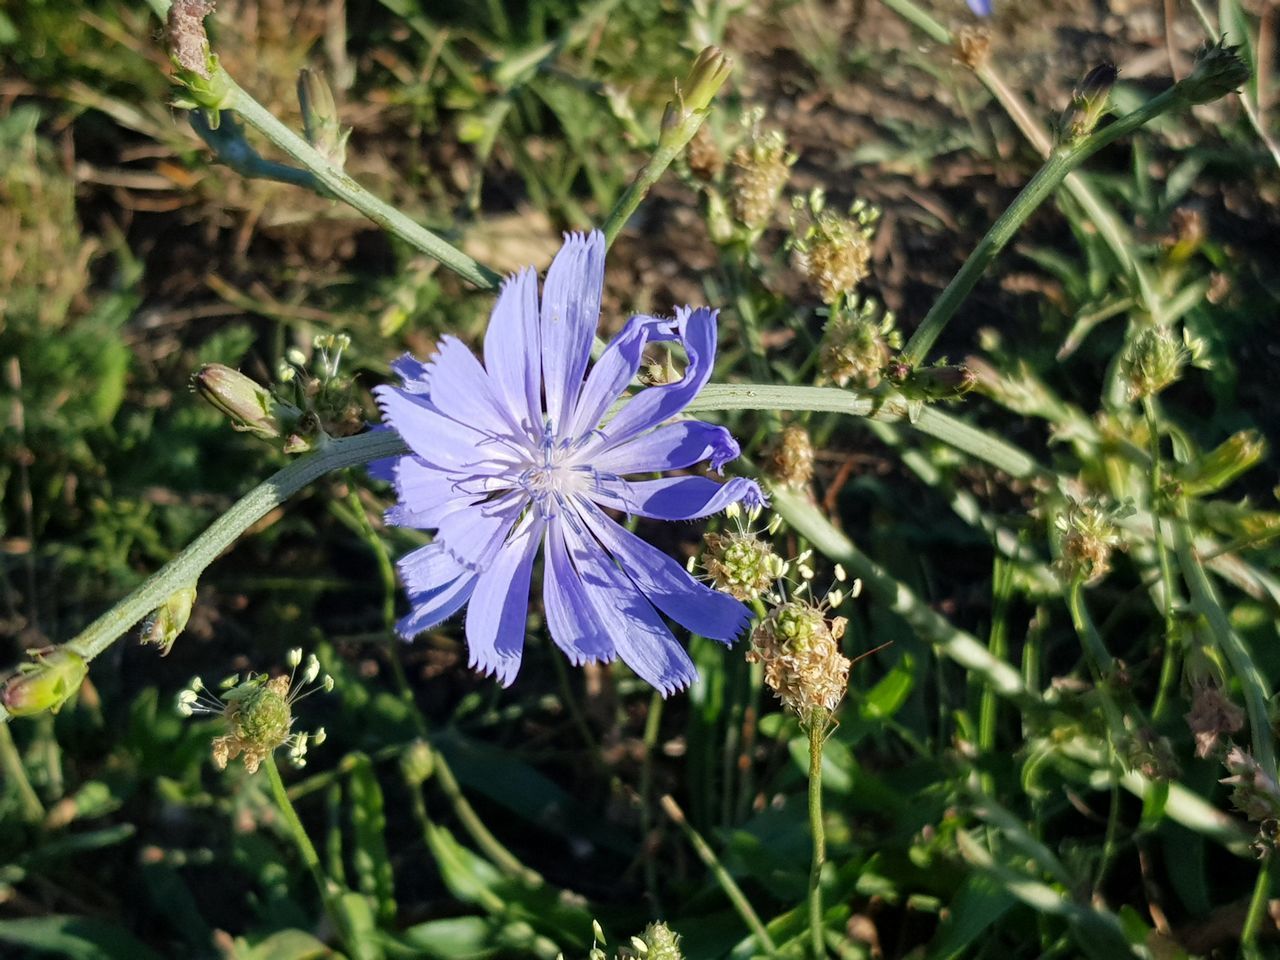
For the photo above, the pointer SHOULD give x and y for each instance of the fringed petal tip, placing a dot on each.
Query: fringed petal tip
(413, 373)
(503, 669)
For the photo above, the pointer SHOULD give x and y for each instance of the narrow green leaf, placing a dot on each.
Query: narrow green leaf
(374, 876)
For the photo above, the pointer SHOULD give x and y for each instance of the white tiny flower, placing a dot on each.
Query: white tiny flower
(294, 657)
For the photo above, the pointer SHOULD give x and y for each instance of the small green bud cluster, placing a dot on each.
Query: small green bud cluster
(789, 462)
(657, 942)
(259, 712)
(327, 398)
(857, 341)
(741, 564)
(169, 620)
(833, 251)
(761, 168)
(1155, 357)
(46, 684)
(1087, 536)
(1219, 70)
(803, 665)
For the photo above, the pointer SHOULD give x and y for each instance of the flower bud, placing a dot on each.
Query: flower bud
(169, 620)
(46, 684)
(694, 96)
(1089, 103)
(947, 382)
(1218, 70)
(250, 407)
(1254, 791)
(790, 459)
(1235, 456)
(1152, 361)
(320, 117)
(741, 564)
(418, 762)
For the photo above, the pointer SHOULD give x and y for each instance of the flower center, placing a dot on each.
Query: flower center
(551, 475)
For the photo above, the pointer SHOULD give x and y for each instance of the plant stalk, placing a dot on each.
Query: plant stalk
(817, 738)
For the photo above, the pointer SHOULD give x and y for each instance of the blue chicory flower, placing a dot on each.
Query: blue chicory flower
(981, 7)
(518, 454)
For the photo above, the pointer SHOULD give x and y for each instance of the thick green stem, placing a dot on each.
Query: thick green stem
(347, 190)
(817, 738)
(306, 849)
(186, 567)
(1099, 657)
(1060, 163)
(16, 774)
(668, 149)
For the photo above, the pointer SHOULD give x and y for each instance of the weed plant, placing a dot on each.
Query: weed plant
(994, 329)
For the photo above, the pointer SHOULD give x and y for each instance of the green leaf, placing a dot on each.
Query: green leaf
(289, 945)
(74, 938)
(887, 697)
(976, 907)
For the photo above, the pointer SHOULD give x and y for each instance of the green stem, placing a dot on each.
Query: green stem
(817, 738)
(709, 859)
(652, 727)
(1169, 663)
(672, 141)
(1253, 684)
(1099, 657)
(1061, 162)
(1257, 909)
(187, 566)
(306, 849)
(16, 773)
(342, 186)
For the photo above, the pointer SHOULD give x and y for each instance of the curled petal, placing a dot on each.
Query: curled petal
(676, 498)
(616, 367)
(672, 446)
(652, 406)
(570, 314)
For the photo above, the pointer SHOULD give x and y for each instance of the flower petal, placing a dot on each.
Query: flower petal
(643, 641)
(570, 315)
(615, 368)
(425, 495)
(440, 440)
(512, 352)
(412, 371)
(673, 446)
(650, 407)
(437, 587)
(462, 390)
(667, 585)
(675, 498)
(475, 536)
(500, 605)
(570, 616)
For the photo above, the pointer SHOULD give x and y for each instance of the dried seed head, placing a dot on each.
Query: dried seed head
(1212, 716)
(1254, 791)
(790, 459)
(973, 46)
(1155, 357)
(803, 665)
(741, 564)
(706, 160)
(761, 168)
(856, 344)
(834, 251)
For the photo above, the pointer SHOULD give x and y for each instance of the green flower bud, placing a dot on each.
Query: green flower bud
(1238, 454)
(945, 382)
(249, 406)
(320, 117)
(1218, 70)
(741, 564)
(418, 762)
(706, 77)
(660, 942)
(169, 620)
(1089, 103)
(46, 684)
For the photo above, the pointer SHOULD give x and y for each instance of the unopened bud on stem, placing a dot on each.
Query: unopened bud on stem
(45, 684)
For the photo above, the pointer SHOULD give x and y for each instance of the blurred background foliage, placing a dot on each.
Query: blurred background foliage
(461, 820)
